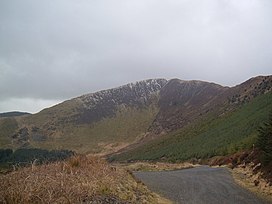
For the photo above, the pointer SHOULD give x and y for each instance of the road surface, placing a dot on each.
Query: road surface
(200, 185)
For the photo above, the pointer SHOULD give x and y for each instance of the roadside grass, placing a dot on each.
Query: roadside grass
(245, 177)
(155, 166)
(248, 171)
(226, 134)
(80, 179)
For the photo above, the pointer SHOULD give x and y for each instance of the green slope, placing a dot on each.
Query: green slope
(7, 127)
(56, 128)
(124, 127)
(209, 137)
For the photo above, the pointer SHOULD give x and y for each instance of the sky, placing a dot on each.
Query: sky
(54, 50)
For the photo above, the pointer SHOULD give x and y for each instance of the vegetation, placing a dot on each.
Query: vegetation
(5, 154)
(213, 136)
(264, 141)
(51, 129)
(24, 157)
(80, 179)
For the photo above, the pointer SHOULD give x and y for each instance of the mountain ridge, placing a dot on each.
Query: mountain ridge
(110, 120)
(132, 94)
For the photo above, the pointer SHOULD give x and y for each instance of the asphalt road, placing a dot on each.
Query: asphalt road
(201, 185)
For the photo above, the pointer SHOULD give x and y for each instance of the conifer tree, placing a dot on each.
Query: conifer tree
(264, 141)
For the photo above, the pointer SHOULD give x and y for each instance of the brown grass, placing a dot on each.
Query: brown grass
(245, 176)
(156, 166)
(77, 180)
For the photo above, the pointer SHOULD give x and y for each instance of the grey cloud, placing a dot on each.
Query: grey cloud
(55, 50)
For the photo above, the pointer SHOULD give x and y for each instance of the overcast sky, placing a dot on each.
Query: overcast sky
(53, 50)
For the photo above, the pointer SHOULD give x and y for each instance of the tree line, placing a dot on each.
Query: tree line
(26, 156)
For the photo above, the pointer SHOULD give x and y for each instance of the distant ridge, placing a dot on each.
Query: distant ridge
(13, 114)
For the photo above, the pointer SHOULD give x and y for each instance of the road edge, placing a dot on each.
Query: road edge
(245, 178)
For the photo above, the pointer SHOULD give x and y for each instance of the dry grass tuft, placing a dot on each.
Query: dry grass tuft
(79, 179)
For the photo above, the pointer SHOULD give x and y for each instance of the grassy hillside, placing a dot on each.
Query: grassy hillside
(219, 136)
(57, 115)
(107, 134)
(7, 128)
(55, 128)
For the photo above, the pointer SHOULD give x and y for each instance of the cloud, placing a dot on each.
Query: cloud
(55, 50)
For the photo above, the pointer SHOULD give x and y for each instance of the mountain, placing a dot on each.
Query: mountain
(104, 120)
(210, 136)
(228, 121)
(145, 116)
(182, 102)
